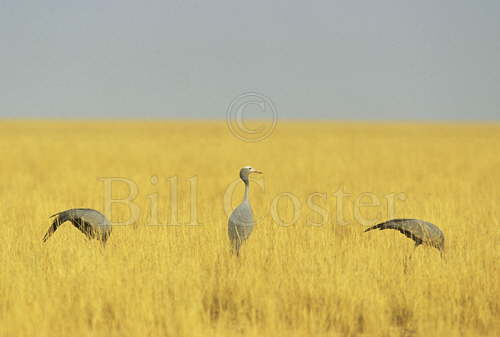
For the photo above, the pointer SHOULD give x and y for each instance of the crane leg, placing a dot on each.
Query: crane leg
(443, 256)
(407, 260)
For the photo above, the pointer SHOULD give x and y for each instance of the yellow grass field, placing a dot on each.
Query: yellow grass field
(300, 279)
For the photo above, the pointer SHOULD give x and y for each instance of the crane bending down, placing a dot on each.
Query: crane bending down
(89, 221)
(422, 232)
(241, 222)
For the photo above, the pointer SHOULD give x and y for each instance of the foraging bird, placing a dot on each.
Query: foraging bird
(422, 232)
(241, 221)
(90, 222)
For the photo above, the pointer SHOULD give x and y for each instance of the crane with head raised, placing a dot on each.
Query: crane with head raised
(241, 221)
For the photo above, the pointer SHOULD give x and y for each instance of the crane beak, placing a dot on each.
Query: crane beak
(256, 171)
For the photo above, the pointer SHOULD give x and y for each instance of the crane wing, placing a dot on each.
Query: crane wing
(409, 227)
(53, 227)
(418, 230)
(90, 222)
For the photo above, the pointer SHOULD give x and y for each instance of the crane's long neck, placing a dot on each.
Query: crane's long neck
(247, 190)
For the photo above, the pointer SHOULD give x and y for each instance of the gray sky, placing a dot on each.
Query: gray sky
(186, 59)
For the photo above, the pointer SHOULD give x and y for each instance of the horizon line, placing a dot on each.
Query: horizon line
(292, 120)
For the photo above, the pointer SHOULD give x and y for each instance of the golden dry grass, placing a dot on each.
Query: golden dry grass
(300, 280)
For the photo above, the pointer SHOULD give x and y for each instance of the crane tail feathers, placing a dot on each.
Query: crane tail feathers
(236, 245)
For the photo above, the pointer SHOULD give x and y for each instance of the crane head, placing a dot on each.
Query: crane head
(246, 171)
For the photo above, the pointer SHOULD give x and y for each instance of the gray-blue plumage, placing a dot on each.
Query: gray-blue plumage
(240, 225)
(241, 221)
(89, 221)
(422, 232)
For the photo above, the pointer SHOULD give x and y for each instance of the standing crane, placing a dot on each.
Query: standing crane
(422, 232)
(89, 221)
(241, 222)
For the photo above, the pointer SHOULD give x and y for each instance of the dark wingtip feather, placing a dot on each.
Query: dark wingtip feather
(45, 237)
(374, 227)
